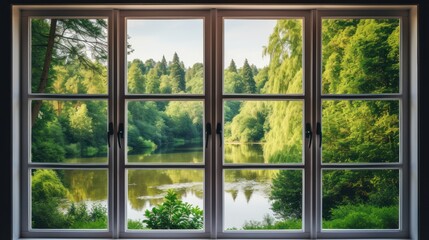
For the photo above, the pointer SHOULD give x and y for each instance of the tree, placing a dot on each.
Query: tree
(67, 40)
(232, 67)
(286, 194)
(135, 78)
(247, 75)
(163, 66)
(177, 75)
(48, 194)
(195, 79)
(81, 124)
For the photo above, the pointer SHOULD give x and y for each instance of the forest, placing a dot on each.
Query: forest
(359, 56)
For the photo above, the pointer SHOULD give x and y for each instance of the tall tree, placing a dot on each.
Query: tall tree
(136, 79)
(67, 40)
(248, 80)
(163, 66)
(232, 67)
(177, 75)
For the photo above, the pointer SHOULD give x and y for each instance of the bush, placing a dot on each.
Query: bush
(135, 224)
(363, 217)
(80, 217)
(269, 223)
(174, 214)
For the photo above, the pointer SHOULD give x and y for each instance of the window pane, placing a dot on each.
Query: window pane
(360, 199)
(165, 132)
(69, 199)
(165, 56)
(360, 131)
(69, 56)
(263, 56)
(360, 56)
(165, 199)
(263, 131)
(69, 131)
(262, 199)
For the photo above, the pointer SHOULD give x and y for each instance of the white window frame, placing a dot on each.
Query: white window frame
(213, 100)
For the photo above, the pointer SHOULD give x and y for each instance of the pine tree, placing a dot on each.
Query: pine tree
(232, 67)
(247, 74)
(163, 66)
(177, 75)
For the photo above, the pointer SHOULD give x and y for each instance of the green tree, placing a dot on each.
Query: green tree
(286, 194)
(232, 67)
(81, 124)
(48, 195)
(163, 68)
(195, 79)
(177, 75)
(65, 41)
(248, 80)
(135, 78)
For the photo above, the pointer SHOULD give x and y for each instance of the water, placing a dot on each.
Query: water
(244, 190)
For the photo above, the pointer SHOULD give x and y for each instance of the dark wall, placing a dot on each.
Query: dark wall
(6, 96)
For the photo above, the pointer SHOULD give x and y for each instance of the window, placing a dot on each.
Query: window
(215, 123)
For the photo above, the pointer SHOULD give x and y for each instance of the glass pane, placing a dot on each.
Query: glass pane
(165, 132)
(263, 56)
(165, 56)
(262, 199)
(69, 199)
(69, 56)
(360, 199)
(165, 199)
(69, 131)
(360, 131)
(263, 131)
(360, 56)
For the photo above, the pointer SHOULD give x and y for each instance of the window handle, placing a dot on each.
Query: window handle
(308, 133)
(109, 133)
(219, 131)
(120, 134)
(208, 133)
(319, 132)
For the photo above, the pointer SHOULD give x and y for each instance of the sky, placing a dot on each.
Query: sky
(243, 39)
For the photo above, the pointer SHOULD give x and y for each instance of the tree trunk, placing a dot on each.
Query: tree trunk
(44, 76)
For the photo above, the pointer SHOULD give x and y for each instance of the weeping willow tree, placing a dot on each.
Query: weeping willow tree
(359, 56)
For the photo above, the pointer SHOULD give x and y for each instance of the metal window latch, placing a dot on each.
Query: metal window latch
(208, 133)
(319, 132)
(120, 134)
(308, 133)
(219, 131)
(109, 133)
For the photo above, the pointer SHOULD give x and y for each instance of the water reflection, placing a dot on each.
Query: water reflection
(244, 190)
(244, 153)
(186, 153)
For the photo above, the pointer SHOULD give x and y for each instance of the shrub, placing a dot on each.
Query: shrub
(363, 217)
(174, 214)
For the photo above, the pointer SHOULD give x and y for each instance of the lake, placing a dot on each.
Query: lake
(244, 190)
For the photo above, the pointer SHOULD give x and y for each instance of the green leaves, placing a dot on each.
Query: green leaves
(174, 214)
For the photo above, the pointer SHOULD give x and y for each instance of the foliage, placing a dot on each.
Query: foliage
(363, 216)
(174, 214)
(269, 223)
(79, 217)
(135, 224)
(48, 194)
(286, 194)
(359, 56)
